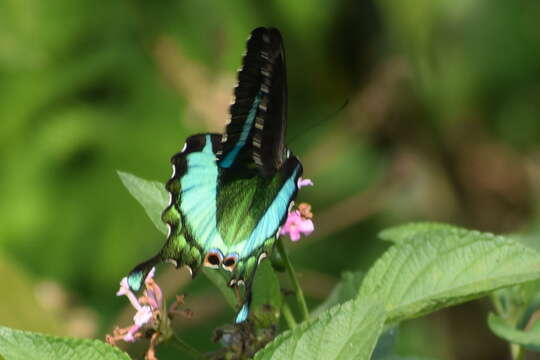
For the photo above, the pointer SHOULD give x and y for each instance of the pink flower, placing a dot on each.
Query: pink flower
(143, 315)
(304, 182)
(130, 335)
(145, 306)
(152, 319)
(296, 225)
(299, 221)
(124, 290)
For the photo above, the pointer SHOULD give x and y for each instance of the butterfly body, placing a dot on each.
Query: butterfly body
(231, 192)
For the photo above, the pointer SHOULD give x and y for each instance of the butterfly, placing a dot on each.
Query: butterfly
(230, 193)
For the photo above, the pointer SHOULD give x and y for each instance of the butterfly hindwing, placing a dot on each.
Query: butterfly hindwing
(191, 213)
(251, 209)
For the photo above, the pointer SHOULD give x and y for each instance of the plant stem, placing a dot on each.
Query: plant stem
(288, 315)
(297, 289)
(188, 349)
(517, 351)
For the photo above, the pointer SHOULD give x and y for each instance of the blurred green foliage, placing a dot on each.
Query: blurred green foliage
(441, 124)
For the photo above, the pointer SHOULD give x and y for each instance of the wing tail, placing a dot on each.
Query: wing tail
(137, 276)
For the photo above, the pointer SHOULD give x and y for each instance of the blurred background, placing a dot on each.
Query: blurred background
(441, 124)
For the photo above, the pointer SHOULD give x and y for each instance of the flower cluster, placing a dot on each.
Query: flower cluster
(152, 318)
(151, 302)
(299, 221)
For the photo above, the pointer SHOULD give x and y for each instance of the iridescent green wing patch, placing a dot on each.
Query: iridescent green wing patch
(250, 210)
(242, 201)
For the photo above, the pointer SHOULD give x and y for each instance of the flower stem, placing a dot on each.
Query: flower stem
(517, 352)
(188, 349)
(297, 289)
(288, 315)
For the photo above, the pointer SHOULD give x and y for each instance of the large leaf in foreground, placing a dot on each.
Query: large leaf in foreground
(445, 265)
(346, 331)
(399, 234)
(345, 290)
(529, 339)
(25, 345)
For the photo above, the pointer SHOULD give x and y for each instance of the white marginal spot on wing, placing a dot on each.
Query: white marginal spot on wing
(261, 258)
(172, 261)
(256, 141)
(257, 158)
(184, 147)
(190, 270)
(259, 123)
(168, 230)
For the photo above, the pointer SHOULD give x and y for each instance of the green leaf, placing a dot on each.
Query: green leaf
(386, 344)
(399, 234)
(150, 194)
(529, 339)
(345, 290)
(267, 297)
(346, 331)
(220, 281)
(440, 265)
(25, 345)
(386, 347)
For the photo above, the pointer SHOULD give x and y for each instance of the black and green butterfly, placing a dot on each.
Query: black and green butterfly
(230, 193)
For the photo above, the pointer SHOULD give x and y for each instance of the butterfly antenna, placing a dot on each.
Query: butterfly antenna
(320, 122)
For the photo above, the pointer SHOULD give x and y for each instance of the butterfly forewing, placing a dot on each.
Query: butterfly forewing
(255, 135)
